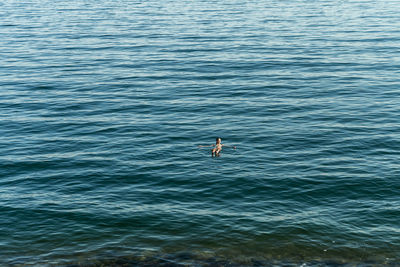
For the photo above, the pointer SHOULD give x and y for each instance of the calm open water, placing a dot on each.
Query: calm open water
(103, 105)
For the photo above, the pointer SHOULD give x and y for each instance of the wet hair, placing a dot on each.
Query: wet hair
(217, 138)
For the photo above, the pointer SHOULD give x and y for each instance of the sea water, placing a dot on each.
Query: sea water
(103, 105)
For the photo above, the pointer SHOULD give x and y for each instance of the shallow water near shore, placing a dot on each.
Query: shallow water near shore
(103, 105)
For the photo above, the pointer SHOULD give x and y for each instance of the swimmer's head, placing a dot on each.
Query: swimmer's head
(218, 140)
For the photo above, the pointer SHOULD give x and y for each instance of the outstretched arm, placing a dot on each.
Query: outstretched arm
(234, 147)
(207, 146)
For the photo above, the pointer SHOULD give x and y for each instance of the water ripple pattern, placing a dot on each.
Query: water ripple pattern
(103, 105)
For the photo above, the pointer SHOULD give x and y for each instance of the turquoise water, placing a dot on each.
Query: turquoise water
(103, 105)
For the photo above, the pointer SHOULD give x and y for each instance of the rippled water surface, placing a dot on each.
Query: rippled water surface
(103, 105)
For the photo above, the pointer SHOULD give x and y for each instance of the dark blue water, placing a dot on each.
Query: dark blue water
(103, 105)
